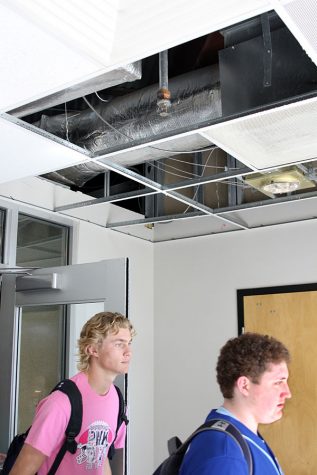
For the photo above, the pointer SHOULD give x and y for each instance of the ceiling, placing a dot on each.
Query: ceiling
(84, 103)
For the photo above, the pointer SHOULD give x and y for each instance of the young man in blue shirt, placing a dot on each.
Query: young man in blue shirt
(252, 374)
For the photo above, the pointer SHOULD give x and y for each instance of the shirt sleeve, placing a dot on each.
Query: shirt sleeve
(120, 440)
(48, 428)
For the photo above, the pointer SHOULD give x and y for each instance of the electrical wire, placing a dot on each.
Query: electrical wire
(192, 175)
(100, 98)
(202, 174)
(170, 173)
(205, 166)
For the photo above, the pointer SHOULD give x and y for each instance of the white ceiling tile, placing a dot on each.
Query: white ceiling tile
(275, 137)
(278, 213)
(35, 62)
(300, 18)
(162, 25)
(24, 153)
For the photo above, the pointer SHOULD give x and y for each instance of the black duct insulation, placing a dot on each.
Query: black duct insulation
(195, 99)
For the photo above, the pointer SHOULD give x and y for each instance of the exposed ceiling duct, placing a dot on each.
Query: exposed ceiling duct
(130, 72)
(133, 119)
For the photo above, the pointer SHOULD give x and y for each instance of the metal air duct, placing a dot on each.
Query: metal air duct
(133, 119)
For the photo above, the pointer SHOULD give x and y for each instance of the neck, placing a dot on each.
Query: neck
(242, 414)
(100, 383)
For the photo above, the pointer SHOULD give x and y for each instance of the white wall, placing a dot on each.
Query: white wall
(196, 311)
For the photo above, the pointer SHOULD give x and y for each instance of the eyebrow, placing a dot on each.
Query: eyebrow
(122, 340)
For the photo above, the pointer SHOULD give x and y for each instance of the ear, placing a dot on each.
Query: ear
(243, 385)
(92, 350)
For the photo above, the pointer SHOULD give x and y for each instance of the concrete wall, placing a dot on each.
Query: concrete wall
(195, 303)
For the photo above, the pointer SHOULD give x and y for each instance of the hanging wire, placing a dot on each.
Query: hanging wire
(192, 175)
(100, 98)
(205, 166)
(170, 173)
(202, 174)
(66, 123)
(217, 188)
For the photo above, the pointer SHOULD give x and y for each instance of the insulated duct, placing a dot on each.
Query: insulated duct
(133, 119)
(127, 73)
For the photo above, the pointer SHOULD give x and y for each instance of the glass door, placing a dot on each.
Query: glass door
(42, 314)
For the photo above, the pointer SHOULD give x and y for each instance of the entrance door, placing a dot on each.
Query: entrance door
(289, 314)
(41, 314)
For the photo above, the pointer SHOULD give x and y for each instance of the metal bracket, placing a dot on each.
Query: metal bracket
(38, 282)
(267, 50)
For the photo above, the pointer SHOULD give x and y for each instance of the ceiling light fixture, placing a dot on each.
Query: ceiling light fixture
(280, 181)
(279, 187)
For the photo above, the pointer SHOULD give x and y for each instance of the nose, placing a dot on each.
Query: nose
(287, 392)
(128, 350)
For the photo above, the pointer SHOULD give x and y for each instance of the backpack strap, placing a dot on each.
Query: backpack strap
(122, 417)
(178, 449)
(68, 387)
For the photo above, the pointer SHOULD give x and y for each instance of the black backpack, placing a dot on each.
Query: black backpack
(68, 387)
(177, 449)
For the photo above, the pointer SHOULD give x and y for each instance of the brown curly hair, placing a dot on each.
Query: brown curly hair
(247, 355)
(95, 330)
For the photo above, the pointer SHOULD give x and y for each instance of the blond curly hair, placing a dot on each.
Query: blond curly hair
(95, 330)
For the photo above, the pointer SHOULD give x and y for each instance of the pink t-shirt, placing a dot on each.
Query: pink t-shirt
(96, 435)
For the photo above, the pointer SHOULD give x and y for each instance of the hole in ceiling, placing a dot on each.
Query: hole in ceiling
(245, 68)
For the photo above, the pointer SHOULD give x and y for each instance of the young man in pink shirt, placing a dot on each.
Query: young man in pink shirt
(104, 353)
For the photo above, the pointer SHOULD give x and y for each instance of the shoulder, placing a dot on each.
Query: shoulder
(56, 399)
(212, 452)
(215, 443)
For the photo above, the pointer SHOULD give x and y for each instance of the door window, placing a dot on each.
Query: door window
(41, 357)
(41, 243)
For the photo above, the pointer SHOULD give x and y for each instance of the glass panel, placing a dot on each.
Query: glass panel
(41, 243)
(41, 357)
(2, 216)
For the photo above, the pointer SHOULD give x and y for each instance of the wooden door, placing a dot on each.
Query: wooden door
(292, 318)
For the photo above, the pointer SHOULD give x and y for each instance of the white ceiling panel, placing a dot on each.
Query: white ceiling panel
(24, 153)
(166, 230)
(161, 25)
(40, 56)
(300, 18)
(184, 228)
(276, 137)
(277, 213)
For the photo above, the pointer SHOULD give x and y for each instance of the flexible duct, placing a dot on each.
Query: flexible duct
(195, 99)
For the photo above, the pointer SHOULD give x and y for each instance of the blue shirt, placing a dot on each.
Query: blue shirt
(214, 453)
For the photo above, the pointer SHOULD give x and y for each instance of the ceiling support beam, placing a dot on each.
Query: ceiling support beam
(165, 189)
(109, 199)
